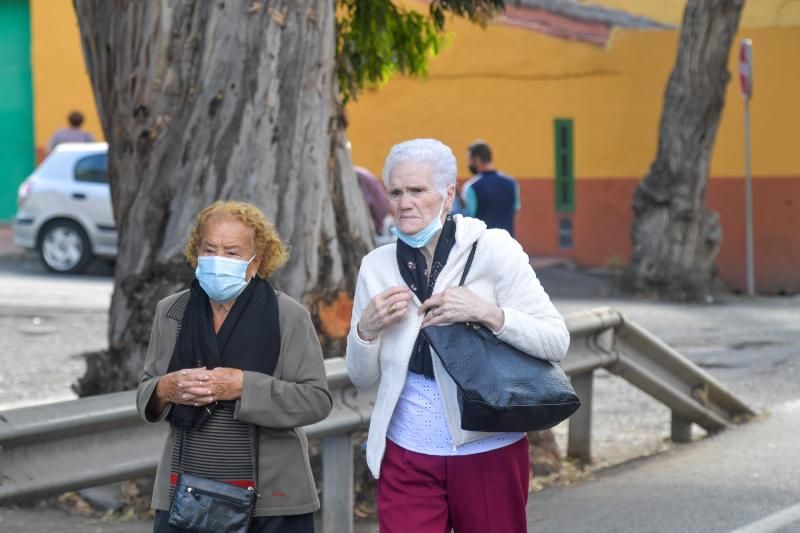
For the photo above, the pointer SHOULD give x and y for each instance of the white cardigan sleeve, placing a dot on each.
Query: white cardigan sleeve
(361, 356)
(532, 324)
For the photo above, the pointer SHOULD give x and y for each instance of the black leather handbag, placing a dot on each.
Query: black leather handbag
(500, 387)
(203, 505)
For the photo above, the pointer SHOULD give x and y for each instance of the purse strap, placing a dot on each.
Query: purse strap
(254, 456)
(469, 264)
(256, 444)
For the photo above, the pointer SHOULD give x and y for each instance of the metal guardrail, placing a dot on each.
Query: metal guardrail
(63, 446)
(604, 338)
(53, 448)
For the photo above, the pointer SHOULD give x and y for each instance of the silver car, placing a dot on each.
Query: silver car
(64, 208)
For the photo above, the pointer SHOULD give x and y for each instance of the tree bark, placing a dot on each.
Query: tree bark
(676, 238)
(202, 101)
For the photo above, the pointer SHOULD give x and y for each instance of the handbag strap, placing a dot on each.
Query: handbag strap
(254, 456)
(254, 439)
(469, 263)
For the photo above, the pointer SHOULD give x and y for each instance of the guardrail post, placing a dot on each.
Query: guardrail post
(681, 430)
(579, 441)
(337, 483)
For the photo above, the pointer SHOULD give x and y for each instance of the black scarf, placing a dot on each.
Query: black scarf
(249, 339)
(413, 268)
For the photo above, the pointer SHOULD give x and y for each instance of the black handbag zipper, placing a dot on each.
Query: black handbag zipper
(194, 490)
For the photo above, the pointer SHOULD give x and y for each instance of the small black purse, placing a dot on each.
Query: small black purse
(500, 387)
(203, 505)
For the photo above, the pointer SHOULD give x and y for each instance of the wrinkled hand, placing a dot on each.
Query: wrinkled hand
(383, 310)
(200, 386)
(459, 304)
(174, 387)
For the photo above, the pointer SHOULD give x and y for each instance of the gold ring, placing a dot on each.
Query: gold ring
(391, 309)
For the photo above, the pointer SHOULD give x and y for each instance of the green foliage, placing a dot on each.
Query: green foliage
(377, 39)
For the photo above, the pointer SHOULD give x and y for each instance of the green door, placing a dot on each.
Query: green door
(16, 103)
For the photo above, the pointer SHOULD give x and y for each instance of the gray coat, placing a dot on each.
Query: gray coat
(295, 395)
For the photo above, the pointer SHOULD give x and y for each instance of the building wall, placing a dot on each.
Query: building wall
(614, 96)
(602, 227)
(16, 103)
(60, 81)
(507, 85)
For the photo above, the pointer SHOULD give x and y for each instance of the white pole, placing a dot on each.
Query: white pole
(748, 199)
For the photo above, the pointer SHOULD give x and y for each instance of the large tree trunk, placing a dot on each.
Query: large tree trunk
(676, 238)
(225, 99)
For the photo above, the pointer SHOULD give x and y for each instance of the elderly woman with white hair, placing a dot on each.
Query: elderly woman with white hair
(433, 476)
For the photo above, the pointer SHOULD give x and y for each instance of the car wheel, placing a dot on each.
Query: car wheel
(64, 247)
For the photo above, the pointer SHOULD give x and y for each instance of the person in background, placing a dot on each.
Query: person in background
(458, 207)
(375, 196)
(490, 195)
(71, 134)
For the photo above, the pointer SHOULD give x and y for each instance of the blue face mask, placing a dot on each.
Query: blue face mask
(423, 236)
(222, 278)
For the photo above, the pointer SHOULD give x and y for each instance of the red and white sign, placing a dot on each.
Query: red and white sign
(746, 68)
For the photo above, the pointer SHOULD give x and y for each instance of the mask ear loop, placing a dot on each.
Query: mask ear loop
(444, 201)
(248, 264)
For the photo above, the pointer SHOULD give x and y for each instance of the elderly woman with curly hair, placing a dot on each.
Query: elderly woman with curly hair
(236, 369)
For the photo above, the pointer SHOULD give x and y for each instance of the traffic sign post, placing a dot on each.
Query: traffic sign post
(746, 84)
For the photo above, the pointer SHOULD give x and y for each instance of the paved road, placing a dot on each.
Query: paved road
(47, 322)
(745, 480)
(24, 284)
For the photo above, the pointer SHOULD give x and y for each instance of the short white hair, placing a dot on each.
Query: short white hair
(431, 151)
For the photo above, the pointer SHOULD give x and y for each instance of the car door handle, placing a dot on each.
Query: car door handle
(79, 196)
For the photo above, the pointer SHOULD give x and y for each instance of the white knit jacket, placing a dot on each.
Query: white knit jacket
(500, 273)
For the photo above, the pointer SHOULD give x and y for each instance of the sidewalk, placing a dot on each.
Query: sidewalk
(735, 479)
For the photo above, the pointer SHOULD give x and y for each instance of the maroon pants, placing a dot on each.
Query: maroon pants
(482, 493)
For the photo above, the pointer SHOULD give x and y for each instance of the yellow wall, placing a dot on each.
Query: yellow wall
(60, 81)
(775, 108)
(506, 85)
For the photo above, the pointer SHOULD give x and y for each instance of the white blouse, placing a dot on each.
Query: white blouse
(419, 423)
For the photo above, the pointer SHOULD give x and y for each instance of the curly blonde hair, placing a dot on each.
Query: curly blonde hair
(267, 244)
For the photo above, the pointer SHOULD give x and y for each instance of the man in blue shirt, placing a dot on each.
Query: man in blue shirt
(490, 195)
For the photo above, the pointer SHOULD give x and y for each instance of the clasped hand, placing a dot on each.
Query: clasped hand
(200, 386)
